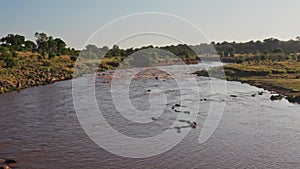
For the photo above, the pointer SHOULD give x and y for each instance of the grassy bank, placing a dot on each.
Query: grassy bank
(32, 69)
(281, 77)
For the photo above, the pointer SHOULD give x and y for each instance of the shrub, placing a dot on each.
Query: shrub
(291, 71)
(10, 62)
(51, 55)
(46, 63)
(73, 58)
(14, 54)
(279, 71)
(40, 57)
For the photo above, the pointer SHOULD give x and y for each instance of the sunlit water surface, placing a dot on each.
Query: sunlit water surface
(40, 129)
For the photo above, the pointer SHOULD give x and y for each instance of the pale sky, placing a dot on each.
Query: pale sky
(76, 20)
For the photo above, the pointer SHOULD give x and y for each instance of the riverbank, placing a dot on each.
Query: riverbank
(33, 70)
(281, 77)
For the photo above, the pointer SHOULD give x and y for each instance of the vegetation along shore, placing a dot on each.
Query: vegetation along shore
(282, 77)
(271, 64)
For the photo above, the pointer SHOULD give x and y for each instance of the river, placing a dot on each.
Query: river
(40, 128)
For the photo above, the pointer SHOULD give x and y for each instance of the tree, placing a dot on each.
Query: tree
(30, 46)
(105, 49)
(52, 49)
(277, 50)
(60, 46)
(7, 57)
(42, 42)
(226, 54)
(115, 51)
(15, 41)
(73, 57)
(231, 51)
(221, 53)
(91, 48)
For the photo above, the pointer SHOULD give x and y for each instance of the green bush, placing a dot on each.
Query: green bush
(278, 71)
(73, 57)
(40, 57)
(14, 54)
(10, 62)
(7, 57)
(291, 71)
(51, 55)
(202, 73)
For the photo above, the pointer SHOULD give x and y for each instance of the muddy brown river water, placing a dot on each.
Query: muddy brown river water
(40, 129)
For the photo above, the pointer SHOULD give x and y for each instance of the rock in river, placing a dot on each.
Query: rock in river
(276, 97)
(10, 161)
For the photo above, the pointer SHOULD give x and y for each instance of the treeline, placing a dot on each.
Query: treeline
(92, 51)
(224, 49)
(181, 50)
(44, 45)
(48, 47)
(266, 46)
